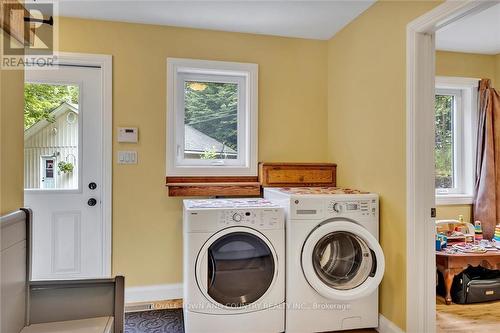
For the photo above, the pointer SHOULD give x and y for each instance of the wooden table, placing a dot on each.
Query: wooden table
(453, 264)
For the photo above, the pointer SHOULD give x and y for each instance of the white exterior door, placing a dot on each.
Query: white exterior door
(64, 174)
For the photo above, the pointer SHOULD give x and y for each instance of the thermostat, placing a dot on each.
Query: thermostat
(128, 134)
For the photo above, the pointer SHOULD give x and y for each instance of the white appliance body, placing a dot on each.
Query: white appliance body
(319, 296)
(234, 266)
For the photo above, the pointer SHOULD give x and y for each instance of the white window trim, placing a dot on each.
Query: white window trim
(458, 140)
(179, 68)
(179, 129)
(467, 124)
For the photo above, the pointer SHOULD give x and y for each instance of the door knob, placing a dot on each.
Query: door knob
(92, 186)
(92, 202)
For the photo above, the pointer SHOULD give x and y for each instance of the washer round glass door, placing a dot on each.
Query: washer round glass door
(236, 267)
(341, 260)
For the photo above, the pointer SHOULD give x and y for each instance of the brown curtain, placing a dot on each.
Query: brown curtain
(487, 185)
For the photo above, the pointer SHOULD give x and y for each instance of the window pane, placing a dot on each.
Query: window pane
(444, 152)
(50, 136)
(211, 120)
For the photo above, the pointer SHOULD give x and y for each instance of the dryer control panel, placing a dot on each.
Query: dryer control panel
(256, 218)
(349, 206)
(357, 207)
(210, 220)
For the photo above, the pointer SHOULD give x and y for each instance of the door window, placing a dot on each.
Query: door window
(240, 269)
(51, 136)
(343, 260)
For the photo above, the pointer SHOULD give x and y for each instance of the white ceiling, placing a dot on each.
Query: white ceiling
(290, 18)
(479, 33)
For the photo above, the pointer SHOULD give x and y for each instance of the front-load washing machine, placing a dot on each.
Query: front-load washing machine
(234, 266)
(334, 261)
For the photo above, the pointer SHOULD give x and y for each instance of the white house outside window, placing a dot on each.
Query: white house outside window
(455, 120)
(211, 118)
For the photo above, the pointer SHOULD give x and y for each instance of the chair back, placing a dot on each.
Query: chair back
(14, 228)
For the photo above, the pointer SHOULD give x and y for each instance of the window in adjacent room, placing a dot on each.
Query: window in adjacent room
(454, 141)
(447, 149)
(211, 118)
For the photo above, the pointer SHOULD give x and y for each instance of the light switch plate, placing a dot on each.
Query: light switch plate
(128, 134)
(127, 157)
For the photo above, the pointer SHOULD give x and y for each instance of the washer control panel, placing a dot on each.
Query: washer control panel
(358, 207)
(272, 218)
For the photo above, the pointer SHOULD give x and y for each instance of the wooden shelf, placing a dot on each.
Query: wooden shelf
(270, 175)
(297, 174)
(231, 186)
(213, 179)
(237, 189)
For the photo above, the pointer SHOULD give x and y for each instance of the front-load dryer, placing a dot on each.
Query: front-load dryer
(334, 261)
(234, 266)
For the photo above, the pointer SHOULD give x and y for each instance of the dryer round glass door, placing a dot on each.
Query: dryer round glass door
(236, 267)
(342, 260)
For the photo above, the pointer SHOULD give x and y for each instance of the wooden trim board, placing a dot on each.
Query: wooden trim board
(214, 189)
(297, 174)
(216, 179)
(12, 20)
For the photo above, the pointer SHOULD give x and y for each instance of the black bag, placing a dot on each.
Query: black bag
(440, 284)
(476, 284)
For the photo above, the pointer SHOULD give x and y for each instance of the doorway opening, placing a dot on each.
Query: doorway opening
(441, 131)
(467, 257)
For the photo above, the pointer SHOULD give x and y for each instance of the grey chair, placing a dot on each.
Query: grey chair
(48, 306)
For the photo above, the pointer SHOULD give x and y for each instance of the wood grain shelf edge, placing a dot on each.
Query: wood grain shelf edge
(214, 189)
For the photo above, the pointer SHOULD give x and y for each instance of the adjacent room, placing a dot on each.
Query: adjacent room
(467, 109)
(251, 166)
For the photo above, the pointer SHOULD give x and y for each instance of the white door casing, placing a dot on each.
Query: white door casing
(365, 288)
(420, 198)
(70, 238)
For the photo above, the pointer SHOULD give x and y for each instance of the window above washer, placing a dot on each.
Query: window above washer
(211, 118)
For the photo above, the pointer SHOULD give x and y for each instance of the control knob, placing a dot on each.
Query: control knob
(337, 207)
(236, 217)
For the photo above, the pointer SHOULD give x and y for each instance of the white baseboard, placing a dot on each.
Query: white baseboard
(160, 292)
(387, 326)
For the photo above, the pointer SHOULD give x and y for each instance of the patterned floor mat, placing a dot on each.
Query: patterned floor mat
(162, 321)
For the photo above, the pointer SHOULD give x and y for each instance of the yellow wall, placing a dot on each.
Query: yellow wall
(479, 66)
(366, 126)
(361, 117)
(497, 71)
(445, 212)
(147, 225)
(453, 211)
(11, 139)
